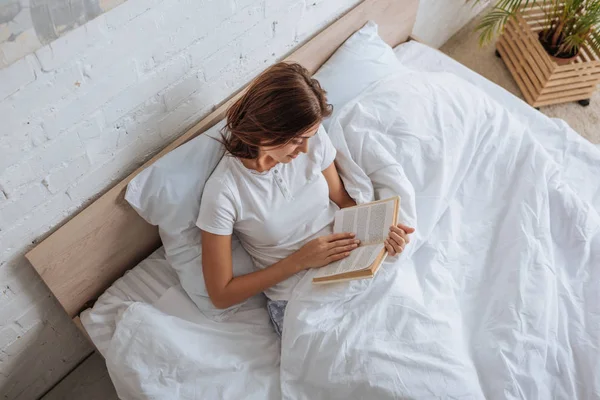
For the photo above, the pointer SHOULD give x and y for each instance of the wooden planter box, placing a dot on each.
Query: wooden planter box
(541, 80)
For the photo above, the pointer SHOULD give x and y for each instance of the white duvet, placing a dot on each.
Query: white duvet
(495, 297)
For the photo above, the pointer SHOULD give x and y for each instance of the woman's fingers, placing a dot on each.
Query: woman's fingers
(406, 228)
(338, 236)
(343, 249)
(389, 247)
(400, 232)
(397, 241)
(336, 257)
(343, 242)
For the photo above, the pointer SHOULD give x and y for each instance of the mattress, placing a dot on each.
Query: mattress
(153, 277)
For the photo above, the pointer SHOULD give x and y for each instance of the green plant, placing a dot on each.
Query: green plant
(567, 24)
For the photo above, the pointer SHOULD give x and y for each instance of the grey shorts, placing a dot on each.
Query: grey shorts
(276, 309)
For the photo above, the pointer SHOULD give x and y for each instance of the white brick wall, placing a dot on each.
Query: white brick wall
(87, 109)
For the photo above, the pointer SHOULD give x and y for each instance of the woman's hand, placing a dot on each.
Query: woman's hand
(398, 239)
(324, 250)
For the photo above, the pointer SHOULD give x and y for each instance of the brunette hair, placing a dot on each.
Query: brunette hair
(280, 104)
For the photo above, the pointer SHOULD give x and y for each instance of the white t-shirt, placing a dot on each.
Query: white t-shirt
(273, 213)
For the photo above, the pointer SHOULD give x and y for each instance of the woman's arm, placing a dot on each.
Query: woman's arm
(337, 191)
(226, 290)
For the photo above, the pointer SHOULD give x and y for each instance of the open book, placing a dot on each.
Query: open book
(370, 222)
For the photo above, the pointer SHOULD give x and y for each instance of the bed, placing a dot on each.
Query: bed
(152, 288)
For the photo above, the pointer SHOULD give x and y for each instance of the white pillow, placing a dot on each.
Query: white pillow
(362, 60)
(168, 194)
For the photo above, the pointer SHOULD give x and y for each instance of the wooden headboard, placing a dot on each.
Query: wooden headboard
(87, 254)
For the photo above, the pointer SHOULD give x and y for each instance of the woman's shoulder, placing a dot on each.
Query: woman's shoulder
(222, 177)
(219, 205)
(319, 135)
(321, 145)
(321, 139)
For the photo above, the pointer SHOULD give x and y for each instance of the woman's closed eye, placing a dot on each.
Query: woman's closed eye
(301, 139)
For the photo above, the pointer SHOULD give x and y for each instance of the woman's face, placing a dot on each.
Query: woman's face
(289, 151)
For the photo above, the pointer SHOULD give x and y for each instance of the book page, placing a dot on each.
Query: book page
(360, 258)
(371, 223)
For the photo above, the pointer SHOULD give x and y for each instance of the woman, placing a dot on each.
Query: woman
(278, 190)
